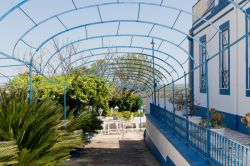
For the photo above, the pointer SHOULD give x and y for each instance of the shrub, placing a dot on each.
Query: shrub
(138, 114)
(126, 115)
(36, 129)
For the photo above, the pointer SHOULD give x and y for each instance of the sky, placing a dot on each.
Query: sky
(35, 11)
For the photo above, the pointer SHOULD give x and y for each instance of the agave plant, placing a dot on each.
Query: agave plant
(33, 133)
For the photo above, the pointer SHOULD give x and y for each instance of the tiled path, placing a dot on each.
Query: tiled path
(116, 150)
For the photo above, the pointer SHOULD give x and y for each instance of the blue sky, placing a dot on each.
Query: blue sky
(17, 23)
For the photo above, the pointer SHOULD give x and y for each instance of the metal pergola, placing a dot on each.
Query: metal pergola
(140, 32)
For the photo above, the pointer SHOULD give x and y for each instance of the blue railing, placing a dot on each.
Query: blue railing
(217, 149)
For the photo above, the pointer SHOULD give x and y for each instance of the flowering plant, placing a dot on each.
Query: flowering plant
(216, 118)
(246, 120)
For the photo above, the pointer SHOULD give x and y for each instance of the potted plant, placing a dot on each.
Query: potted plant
(246, 121)
(216, 119)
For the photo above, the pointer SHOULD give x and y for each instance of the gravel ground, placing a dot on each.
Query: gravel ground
(116, 150)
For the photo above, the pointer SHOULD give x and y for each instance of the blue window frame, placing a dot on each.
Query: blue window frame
(203, 56)
(247, 54)
(224, 59)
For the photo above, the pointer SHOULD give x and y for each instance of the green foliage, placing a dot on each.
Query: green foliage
(82, 90)
(117, 114)
(138, 64)
(8, 153)
(216, 118)
(126, 115)
(138, 114)
(126, 101)
(36, 129)
(87, 121)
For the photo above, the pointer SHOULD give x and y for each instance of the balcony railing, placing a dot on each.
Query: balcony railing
(217, 149)
(201, 8)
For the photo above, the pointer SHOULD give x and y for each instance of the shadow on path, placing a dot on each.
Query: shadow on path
(110, 151)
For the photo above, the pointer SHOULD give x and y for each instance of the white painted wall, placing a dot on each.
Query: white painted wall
(237, 102)
(164, 146)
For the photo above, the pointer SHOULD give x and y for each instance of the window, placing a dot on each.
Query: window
(203, 56)
(248, 54)
(224, 59)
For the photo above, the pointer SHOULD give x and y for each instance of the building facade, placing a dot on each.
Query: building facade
(225, 44)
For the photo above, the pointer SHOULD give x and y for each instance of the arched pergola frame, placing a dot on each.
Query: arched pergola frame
(32, 67)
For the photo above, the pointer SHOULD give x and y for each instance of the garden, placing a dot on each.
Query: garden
(39, 132)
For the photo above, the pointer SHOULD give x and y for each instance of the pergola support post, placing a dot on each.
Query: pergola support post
(164, 97)
(153, 56)
(158, 97)
(186, 108)
(173, 106)
(208, 113)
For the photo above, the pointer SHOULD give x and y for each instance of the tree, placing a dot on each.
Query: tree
(126, 100)
(82, 90)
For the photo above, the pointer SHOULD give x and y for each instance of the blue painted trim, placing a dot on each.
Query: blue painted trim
(221, 5)
(231, 121)
(203, 90)
(215, 10)
(223, 15)
(240, 3)
(247, 93)
(191, 66)
(247, 55)
(203, 41)
(188, 153)
(223, 27)
(153, 149)
(169, 162)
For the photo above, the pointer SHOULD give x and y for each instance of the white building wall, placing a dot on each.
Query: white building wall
(236, 102)
(164, 146)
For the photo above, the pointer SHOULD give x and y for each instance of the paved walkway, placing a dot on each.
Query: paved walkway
(116, 150)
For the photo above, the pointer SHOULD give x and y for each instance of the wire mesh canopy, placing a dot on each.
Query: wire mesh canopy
(53, 36)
